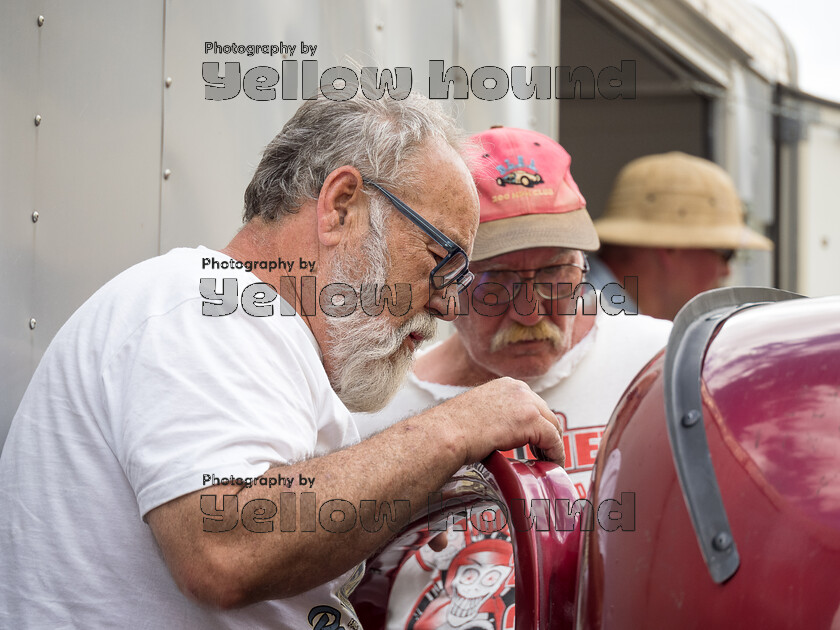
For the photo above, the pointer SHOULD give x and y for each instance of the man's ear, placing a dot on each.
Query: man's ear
(342, 206)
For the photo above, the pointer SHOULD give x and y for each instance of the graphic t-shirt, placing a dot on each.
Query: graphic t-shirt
(470, 583)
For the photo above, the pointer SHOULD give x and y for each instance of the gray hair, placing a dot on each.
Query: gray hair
(378, 137)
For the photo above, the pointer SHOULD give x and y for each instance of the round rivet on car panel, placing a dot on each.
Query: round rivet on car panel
(722, 541)
(691, 418)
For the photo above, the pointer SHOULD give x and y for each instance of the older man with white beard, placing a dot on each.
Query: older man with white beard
(184, 455)
(521, 319)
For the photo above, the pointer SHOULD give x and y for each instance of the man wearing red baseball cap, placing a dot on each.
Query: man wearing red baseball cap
(522, 317)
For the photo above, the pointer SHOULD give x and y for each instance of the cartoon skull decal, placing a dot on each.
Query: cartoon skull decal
(477, 574)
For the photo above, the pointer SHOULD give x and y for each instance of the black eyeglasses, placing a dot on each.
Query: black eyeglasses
(500, 286)
(725, 254)
(454, 268)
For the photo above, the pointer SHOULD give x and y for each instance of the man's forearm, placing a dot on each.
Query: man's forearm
(405, 462)
(271, 542)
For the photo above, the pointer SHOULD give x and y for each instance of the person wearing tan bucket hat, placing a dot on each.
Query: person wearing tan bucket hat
(520, 320)
(674, 221)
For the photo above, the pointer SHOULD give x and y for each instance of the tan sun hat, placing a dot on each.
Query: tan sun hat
(676, 200)
(527, 195)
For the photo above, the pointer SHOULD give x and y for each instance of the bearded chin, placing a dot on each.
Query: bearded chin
(369, 358)
(369, 361)
(369, 372)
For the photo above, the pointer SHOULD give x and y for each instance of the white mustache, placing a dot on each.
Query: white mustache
(543, 330)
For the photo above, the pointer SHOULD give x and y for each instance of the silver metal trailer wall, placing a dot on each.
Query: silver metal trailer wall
(819, 232)
(809, 157)
(80, 151)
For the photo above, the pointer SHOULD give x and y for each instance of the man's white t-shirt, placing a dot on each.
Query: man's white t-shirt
(582, 389)
(139, 400)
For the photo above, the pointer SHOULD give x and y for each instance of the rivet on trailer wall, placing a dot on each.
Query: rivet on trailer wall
(168, 81)
(32, 324)
(37, 119)
(35, 216)
(40, 20)
(166, 174)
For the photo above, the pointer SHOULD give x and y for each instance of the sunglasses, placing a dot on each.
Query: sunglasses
(725, 254)
(454, 268)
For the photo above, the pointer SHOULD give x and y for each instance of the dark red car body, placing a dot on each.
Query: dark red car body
(729, 443)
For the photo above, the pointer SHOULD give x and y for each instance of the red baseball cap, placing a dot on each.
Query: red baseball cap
(527, 195)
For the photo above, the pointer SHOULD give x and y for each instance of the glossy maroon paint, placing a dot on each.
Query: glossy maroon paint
(545, 555)
(771, 401)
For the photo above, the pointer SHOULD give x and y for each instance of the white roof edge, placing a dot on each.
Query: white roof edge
(709, 33)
